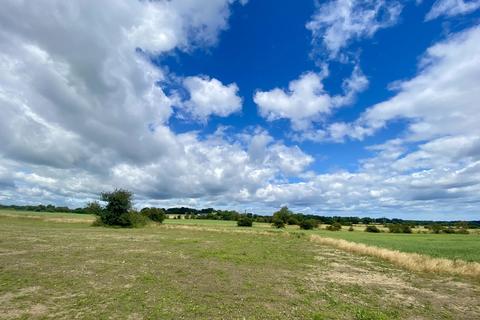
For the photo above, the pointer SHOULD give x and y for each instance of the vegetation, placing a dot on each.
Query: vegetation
(154, 214)
(278, 223)
(399, 228)
(334, 227)
(118, 211)
(372, 228)
(245, 222)
(57, 266)
(308, 224)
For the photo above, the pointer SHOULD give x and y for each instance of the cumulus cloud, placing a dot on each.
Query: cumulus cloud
(82, 111)
(306, 100)
(451, 8)
(441, 100)
(337, 23)
(210, 97)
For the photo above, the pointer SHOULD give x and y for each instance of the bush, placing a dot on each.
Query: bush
(283, 214)
(462, 231)
(334, 227)
(278, 223)
(118, 211)
(399, 228)
(436, 228)
(292, 221)
(134, 219)
(308, 224)
(154, 214)
(245, 222)
(351, 228)
(94, 208)
(449, 230)
(372, 229)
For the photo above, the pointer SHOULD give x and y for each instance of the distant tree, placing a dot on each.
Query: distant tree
(336, 226)
(283, 214)
(154, 214)
(399, 228)
(118, 211)
(245, 221)
(308, 224)
(371, 228)
(293, 220)
(278, 223)
(93, 208)
(436, 228)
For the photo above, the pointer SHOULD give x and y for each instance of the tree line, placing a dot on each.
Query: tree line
(287, 216)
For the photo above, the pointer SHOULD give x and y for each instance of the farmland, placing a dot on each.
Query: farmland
(59, 266)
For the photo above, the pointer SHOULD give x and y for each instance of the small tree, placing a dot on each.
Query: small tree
(371, 228)
(283, 214)
(94, 208)
(278, 223)
(245, 222)
(336, 226)
(308, 224)
(118, 211)
(154, 214)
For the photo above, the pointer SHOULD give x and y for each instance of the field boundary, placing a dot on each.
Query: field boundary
(410, 261)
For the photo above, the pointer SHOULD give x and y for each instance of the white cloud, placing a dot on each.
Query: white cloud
(451, 8)
(441, 100)
(306, 100)
(210, 97)
(339, 22)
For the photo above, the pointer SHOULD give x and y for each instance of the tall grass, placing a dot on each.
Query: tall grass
(411, 261)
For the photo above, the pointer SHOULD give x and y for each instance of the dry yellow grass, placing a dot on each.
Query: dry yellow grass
(410, 261)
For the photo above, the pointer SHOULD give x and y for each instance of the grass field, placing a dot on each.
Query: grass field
(57, 266)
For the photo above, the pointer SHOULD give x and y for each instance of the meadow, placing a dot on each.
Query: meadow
(57, 266)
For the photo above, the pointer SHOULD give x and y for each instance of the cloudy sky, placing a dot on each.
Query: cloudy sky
(340, 107)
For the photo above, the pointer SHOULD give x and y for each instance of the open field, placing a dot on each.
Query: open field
(58, 266)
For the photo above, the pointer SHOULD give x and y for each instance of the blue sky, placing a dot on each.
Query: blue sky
(330, 107)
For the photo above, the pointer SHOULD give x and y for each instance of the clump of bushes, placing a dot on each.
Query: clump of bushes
(336, 226)
(245, 222)
(351, 228)
(399, 228)
(308, 224)
(154, 214)
(278, 223)
(119, 211)
(371, 228)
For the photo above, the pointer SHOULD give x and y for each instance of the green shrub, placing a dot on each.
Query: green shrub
(278, 223)
(351, 228)
(436, 228)
(462, 231)
(94, 208)
(399, 228)
(292, 221)
(334, 227)
(154, 214)
(308, 224)
(134, 219)
(449, 230)
(371, 228)
(245, 222)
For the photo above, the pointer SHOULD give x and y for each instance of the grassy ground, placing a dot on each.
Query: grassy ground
(451, 246)
(58, 266)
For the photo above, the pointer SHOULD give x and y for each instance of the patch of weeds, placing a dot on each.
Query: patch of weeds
(366, 314)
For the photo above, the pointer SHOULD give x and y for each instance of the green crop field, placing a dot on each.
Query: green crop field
(57, 266)
(452, 246)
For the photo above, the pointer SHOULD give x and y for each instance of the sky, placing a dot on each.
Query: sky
(339, 107)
